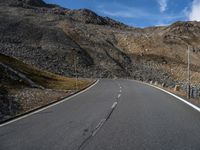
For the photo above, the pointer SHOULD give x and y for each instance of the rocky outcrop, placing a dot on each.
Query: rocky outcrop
(36, 3)
(26, 3)
(89, 17)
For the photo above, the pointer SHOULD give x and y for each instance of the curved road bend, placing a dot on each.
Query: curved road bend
(112, 115)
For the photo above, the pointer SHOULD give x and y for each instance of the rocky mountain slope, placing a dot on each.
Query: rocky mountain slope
(59, 39)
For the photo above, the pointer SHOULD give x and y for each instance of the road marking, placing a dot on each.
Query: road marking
(114, 105)
(54, 104)
(181, 99)
(119, 95)
(120, 91)
(100, 124)
(177, 97)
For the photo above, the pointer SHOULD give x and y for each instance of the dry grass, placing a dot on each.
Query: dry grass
(43, 78)
(25, 98)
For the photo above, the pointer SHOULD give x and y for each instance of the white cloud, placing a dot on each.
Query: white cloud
(119, 10)
(194, 14)
(163, 5)
(130, 13)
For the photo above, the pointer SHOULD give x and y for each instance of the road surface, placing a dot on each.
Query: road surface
(112, 115)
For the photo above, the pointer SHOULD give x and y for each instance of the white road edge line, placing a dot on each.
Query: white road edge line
(179, 98)
(114, 105)
(44, 108)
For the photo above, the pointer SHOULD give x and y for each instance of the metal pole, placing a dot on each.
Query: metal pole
(188, 94)
(75, 70)
(126, 68)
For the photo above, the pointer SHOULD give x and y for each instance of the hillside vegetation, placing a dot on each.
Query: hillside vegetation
(24, 87)
(40, 78)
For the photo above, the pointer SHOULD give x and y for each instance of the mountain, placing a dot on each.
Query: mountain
(59, 39)
(26, 3)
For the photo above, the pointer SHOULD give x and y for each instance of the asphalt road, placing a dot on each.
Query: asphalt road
(112, 115)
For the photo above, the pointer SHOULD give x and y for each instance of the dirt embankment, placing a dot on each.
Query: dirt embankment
(24, 88)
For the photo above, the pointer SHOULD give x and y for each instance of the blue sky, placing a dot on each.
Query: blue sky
(139, 13)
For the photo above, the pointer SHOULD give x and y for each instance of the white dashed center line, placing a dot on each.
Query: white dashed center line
(119, 95)
(114, 105)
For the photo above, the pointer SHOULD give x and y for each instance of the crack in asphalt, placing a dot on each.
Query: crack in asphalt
(101, 123)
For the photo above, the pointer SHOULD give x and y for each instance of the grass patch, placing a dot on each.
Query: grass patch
(43, 78)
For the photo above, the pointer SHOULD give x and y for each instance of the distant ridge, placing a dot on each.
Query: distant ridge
(60, 39)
